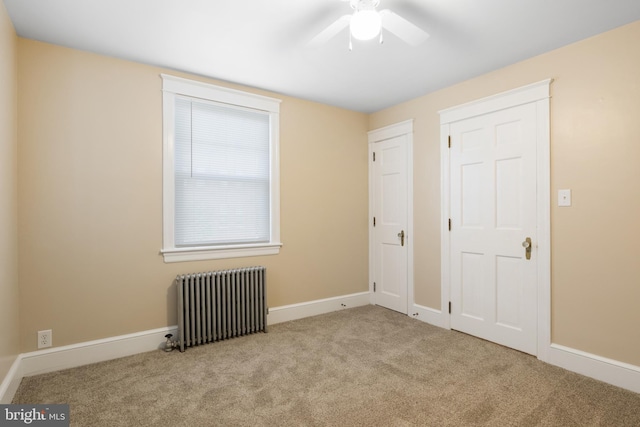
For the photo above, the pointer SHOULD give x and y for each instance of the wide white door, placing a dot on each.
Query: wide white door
(493, 212)
(390, 229)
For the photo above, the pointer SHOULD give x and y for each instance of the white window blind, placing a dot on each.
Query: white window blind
(222, 174)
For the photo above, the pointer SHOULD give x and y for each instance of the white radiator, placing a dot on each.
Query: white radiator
(217, 305)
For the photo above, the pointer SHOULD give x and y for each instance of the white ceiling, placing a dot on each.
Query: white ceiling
(261, 43)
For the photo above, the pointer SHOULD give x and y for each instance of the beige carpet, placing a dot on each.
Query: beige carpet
(366, 366)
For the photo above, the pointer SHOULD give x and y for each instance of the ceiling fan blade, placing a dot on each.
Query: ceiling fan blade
(330, 32)
(402, 28)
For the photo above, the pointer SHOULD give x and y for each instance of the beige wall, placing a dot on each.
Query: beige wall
(90, 185)
(8, 194)
(595, 151)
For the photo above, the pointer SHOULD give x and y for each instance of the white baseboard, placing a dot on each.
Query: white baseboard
(610, 371)
(286, 313)
(11, 382)
(84, 353)
(427, 315)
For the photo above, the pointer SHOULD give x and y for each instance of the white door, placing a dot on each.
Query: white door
(493, 211)
(390, 233)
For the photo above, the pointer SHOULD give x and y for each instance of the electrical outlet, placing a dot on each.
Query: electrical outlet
(45, 339)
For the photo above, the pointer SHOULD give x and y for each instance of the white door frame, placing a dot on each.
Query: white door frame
(378, 135)
(537, 93)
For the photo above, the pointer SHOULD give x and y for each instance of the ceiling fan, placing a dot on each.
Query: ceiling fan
(366, 23)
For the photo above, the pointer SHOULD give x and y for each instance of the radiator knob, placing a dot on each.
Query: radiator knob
(168, 346)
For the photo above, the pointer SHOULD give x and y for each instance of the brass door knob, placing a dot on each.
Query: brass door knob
(527, 247)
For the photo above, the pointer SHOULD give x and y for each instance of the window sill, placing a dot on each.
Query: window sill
(220, 252)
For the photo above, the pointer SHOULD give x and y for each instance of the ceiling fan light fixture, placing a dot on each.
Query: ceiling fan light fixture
(365, 24)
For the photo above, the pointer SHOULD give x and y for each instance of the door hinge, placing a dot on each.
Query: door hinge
(374, 286)
(449, 307)
(374, 221)
(374, 156)
(449, 142)
(449, 224)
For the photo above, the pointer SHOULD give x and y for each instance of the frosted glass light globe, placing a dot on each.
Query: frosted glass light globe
(365, 24)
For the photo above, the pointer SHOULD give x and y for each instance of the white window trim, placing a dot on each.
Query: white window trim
(172, 86)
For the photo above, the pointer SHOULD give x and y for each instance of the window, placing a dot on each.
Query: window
(220, 172)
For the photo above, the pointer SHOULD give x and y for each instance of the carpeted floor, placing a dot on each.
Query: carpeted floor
(365, 366)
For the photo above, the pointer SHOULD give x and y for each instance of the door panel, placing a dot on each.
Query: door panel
(493, 210)
(473, 285)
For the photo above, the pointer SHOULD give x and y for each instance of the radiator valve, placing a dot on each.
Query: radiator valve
(169, 345)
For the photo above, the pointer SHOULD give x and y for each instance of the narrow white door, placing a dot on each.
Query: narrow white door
(390, 229)
(493, 212)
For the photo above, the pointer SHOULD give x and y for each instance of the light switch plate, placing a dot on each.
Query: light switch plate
(564, 197)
